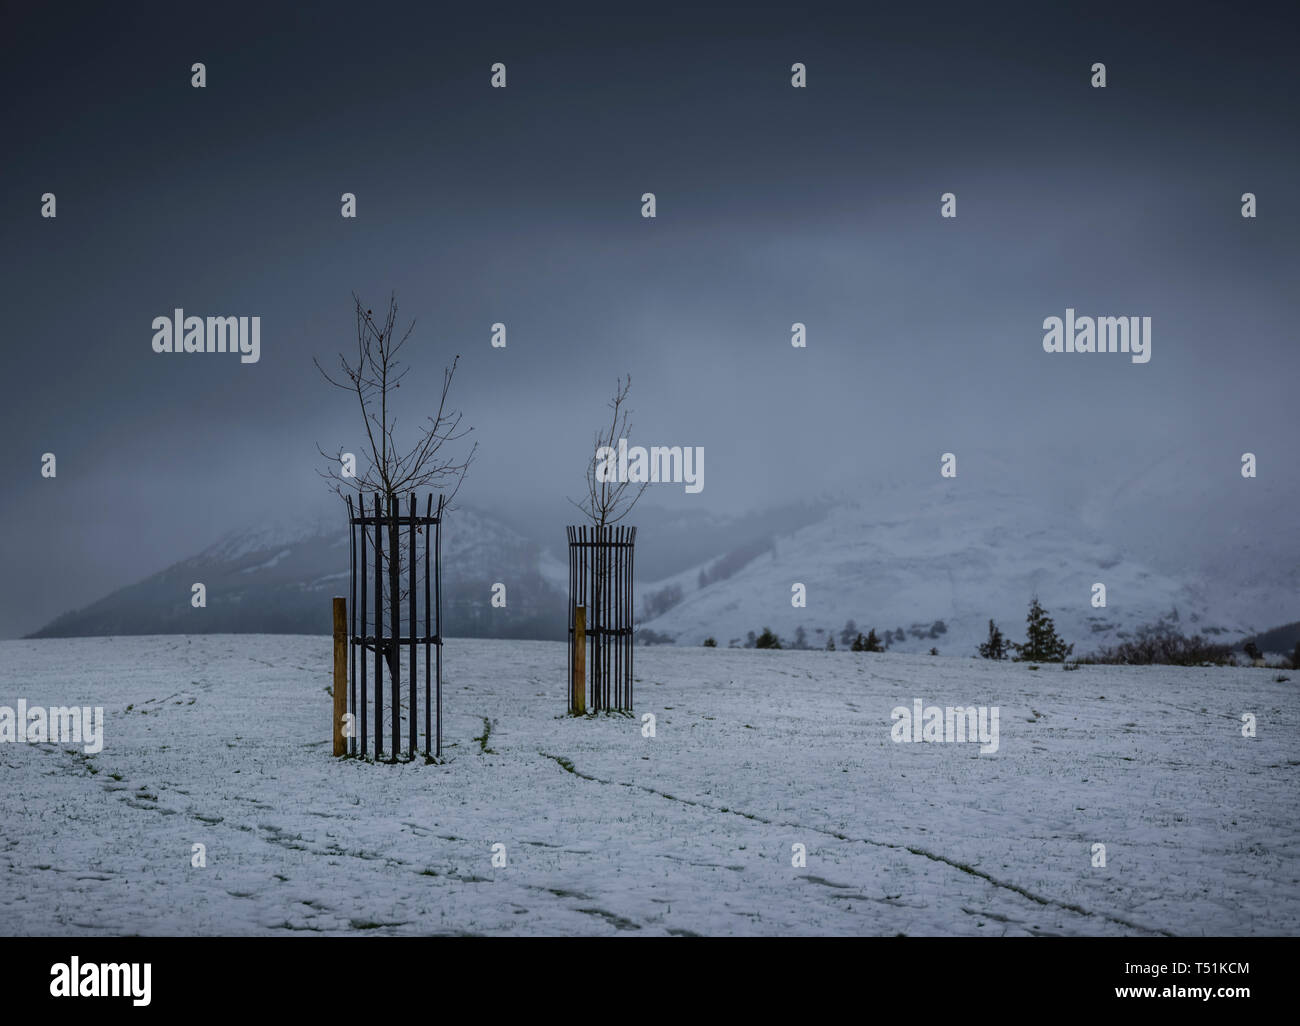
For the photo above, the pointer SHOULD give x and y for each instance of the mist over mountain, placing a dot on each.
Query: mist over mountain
(280, 578)
(930, 561)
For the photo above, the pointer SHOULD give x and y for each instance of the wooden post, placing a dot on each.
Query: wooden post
(580, 660)
(340, 673)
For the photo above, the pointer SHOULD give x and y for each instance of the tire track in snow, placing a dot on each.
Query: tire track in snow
(567, 766)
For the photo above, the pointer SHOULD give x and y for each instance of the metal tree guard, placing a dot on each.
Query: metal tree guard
(600, 579)
(367, 531)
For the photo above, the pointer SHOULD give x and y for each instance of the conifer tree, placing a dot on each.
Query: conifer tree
(996, 645)
(1043, 644)
(871, 643)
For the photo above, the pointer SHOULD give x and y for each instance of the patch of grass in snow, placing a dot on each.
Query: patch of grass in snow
(483, 738)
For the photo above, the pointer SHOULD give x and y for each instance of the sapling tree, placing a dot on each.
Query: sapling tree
(394, 465)
(609, 501)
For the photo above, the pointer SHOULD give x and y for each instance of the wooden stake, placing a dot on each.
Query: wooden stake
(340, 673)
(580, 660)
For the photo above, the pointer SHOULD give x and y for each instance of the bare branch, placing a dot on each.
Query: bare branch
(607, 502)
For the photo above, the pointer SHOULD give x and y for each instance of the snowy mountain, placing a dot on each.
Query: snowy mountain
(929, 563)
(935, 566)
(279, 577)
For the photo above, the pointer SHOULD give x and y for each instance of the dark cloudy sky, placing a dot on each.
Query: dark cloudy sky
(522, 205)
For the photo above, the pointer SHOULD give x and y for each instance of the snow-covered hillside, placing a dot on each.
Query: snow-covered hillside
(280, 576)
(223, 742)
(939, 565)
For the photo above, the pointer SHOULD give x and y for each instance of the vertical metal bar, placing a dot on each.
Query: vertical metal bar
(437, 584)
(394, 575)
(576, 570)
(365, 616)
(584, 599)
(605, 615)
(621, 599)
(594, 619)
(611, 568)
(602, 586)
(379, 630)
(576, 591)
(575, 565)
(602, 580)
(585, 550)
(411, 719)
(352, 639)
(611, 555)
(632, 613)
(618, 622)
(588, 596)
(622, 621)
(428, 669)
(625, 601)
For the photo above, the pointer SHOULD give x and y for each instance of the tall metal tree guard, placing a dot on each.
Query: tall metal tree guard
(601, 582)
(369, 633)
(600, 574)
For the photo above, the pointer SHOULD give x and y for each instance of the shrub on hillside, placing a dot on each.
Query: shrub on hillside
(1165, 648)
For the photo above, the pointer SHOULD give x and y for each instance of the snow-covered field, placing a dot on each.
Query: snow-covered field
(223, 741)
